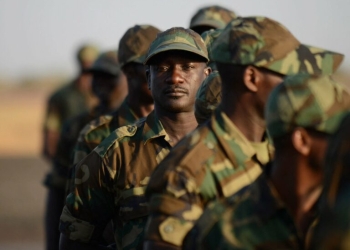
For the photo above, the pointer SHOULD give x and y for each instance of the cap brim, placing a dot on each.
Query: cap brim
(307, 59)
(134, 59)
(175, 46)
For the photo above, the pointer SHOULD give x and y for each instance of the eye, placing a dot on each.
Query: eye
(188, 66)
(162, 68)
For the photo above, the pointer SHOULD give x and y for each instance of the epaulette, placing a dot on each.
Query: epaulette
(118, 135)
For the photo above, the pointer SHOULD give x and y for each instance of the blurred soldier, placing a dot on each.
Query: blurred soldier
(332, 231)
(277, 211)
(111, 180)
(132, 52)
(68, 101)
(253, 55)
(107, 84)
(211, 17)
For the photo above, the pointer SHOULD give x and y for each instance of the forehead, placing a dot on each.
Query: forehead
(176, 56)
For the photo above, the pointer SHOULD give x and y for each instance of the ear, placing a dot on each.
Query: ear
(252, 78)
(207, 71)
(301, 141)
(148, 77)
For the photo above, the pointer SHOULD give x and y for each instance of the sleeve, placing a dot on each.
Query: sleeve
(91, 206)
(175, 204)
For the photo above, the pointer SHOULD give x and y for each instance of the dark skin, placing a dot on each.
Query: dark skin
(297, 174)
(245, 90)
(174, 79)
(140, 98)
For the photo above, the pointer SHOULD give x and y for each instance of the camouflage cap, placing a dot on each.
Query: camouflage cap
(214, 16)
(106, 63)
(178, 38)
(209, 37)
(263, 42)
(208, 97)
(86, 55)
(302, 100)
(134, 44)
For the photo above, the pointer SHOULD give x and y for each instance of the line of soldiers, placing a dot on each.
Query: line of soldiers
(219, 144)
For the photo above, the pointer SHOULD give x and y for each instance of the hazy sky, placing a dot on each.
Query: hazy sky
(41, 36)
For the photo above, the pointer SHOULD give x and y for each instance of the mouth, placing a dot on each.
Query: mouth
(177, 92)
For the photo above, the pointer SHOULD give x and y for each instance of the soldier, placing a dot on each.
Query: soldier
(278, 209)
(107, 80)
(332, 231)
(132, 51)
(211, 17)
(68, 101)
(111, 180)
(253, 54)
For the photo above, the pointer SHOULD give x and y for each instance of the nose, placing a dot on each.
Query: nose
(175, 76)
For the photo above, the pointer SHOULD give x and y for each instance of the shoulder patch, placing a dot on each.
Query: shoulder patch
(117, 135)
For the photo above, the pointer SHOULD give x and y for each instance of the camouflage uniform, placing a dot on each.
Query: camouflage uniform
(110, 182)
(130, 51)
(255, 217)
(332, 231)
(216, 160)
(211, 17)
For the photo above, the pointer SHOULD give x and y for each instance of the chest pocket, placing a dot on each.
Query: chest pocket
(229, 179)
(133, 204)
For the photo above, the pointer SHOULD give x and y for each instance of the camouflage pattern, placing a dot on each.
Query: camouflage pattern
(332, 231)
(306, 101)
(106, 63)
(86, 55)
(208, 97)
(214, 16)
(263, 42)
(99, 129)
(254, 218)
(177, 38)
(110, 184)
(63, 104)
(134, 44)
(208, 38)
(214, 161)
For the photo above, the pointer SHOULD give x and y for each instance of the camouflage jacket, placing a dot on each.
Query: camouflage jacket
(254, 218)
(214, 161)
(99, 129)
(64, 154)
(110, 184)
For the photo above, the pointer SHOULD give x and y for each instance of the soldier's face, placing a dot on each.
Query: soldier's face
(174, 80)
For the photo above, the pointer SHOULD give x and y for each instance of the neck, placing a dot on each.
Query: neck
(299, 187)
(139, 107)
(245, 117)
(177, 125)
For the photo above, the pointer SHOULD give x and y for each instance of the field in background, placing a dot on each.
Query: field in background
(22, 195)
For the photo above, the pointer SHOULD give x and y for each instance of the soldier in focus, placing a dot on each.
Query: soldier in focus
(133, 48)
(110, 182)
(332, 230)
(211, 17)
(278, 210)
(107, 84)
(228, 152)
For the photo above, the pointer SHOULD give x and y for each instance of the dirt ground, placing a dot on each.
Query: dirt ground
(22, 195)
